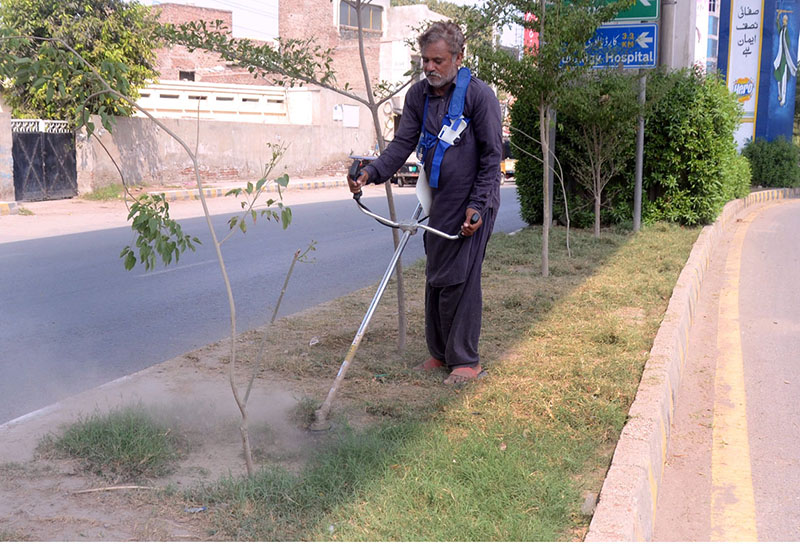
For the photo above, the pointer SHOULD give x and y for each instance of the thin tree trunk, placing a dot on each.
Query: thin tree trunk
(544, 135)
(597, 214)
(373, 108)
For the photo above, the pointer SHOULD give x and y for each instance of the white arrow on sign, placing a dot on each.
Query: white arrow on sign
(643, 40)
(645, 2)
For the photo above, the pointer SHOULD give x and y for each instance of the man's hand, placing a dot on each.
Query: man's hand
(357, 184)
(468, 228)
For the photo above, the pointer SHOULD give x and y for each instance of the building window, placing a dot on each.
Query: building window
(712, 51)
(186, 76)
(370, 16)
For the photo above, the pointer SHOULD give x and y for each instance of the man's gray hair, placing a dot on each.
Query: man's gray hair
(443, 30)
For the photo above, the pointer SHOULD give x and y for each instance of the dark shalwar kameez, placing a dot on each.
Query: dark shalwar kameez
(469, 178)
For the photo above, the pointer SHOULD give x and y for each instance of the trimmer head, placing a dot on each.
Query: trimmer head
(321, 423)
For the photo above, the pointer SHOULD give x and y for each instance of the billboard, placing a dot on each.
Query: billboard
(779, 71)
(758, 56)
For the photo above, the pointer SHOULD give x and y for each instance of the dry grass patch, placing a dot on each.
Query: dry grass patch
(505, 458)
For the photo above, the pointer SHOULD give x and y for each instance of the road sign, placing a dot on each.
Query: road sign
(642, 10)
(629, 46)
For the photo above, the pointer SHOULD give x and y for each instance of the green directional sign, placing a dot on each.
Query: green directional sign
(642, 10)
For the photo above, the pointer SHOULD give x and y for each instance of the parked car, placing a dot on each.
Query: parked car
(509, 163)
(507, 166)
(408, 173)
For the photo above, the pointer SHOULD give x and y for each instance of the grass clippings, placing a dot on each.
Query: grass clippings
(505, 458)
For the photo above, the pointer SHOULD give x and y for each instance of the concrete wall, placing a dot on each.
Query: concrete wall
(6, 162)
(227, 151)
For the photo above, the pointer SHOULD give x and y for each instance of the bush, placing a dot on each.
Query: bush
(690, 165)
(528, 170)
(528, 175)
(773, 164)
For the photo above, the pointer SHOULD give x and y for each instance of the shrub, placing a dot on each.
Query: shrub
(773, 164)
(689, 148)
(691, 167)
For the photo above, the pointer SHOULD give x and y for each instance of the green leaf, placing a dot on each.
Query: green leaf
(286, 217)
(130, 260)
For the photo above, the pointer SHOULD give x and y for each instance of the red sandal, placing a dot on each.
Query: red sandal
(464, 374)
(430, 364)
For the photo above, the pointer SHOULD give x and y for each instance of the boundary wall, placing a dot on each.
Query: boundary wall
(627, 506)
(227, 150)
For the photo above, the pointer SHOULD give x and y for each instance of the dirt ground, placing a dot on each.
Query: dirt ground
(45, 499)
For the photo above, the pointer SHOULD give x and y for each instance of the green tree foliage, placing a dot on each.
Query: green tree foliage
(599, 116)
(691, 164)
(571, 154)
(773, 164)
(539, 77)
(44, 79)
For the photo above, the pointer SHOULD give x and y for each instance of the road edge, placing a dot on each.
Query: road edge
(627, 504)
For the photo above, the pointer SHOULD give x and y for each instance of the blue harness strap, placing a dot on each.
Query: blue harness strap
(453, 124)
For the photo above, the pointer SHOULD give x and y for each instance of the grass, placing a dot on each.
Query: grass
(126, 444)
(109, 192)
(12, 536)
(24, 211)
(506, 458)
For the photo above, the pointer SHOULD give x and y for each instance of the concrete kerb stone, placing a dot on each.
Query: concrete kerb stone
(8, 208)
(628, 499)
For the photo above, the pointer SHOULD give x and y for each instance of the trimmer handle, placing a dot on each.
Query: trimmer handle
(472, 220)
(355, 170)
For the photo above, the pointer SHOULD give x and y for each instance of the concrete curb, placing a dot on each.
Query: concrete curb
(8, 208)
(270, 187)
(626, 511)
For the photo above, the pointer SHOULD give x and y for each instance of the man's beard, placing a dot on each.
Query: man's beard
(437, 80)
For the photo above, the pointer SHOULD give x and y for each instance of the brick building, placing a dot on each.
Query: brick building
(178, 64)
(239, 114)
(331, 23)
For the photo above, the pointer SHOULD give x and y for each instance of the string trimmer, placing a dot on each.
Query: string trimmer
(409, 228)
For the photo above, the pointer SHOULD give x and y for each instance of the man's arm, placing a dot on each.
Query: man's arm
(403, 144)
(487, 127)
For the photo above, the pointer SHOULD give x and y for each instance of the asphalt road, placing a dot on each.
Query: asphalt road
(71, 317)
(733, 463)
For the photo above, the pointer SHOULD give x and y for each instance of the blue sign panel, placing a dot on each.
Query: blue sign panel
(779, 62)
(628, 46)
